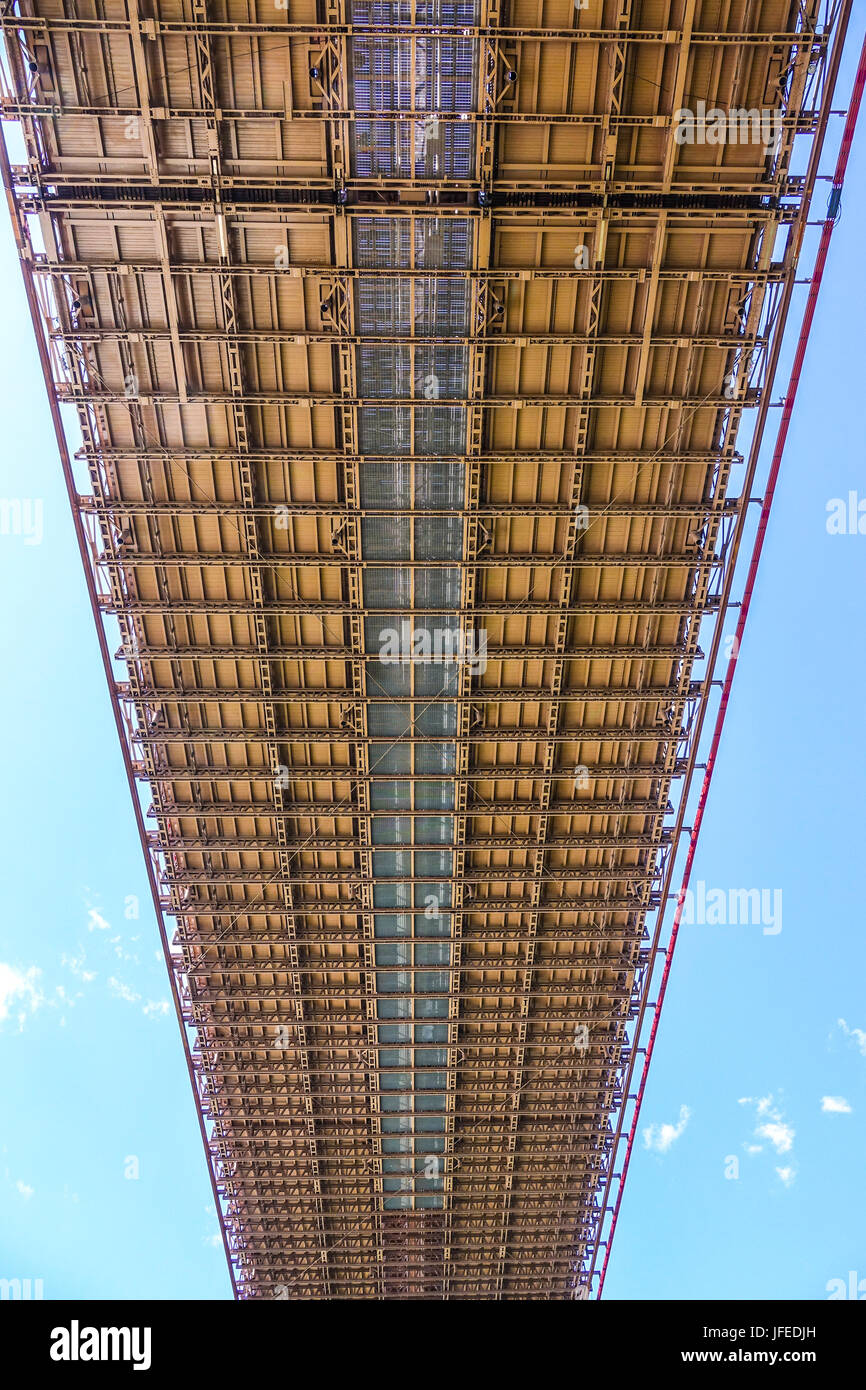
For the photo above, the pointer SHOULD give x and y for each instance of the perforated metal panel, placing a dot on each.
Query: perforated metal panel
(439, 75)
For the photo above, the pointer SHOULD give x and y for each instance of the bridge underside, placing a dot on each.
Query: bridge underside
(408, 347)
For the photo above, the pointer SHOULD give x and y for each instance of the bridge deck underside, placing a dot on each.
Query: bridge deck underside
(321, 391)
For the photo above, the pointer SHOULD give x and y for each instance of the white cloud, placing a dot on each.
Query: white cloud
(26, 1192)
(754, 1148)
(156, 1008)
(213, 1240)
(75, 964)
(777, 1133)
(661, 1137)
(856, 1034)
(19, 989)
(96, 922)
(835, 1105)
(66, 998)
(763, 1104)
(787, 1175)
(773, 1126)
(120, 950)
(123, 991)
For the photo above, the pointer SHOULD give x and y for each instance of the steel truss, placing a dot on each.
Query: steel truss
(206, 301)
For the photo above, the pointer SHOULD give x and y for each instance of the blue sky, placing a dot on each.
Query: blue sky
(92, 1073)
